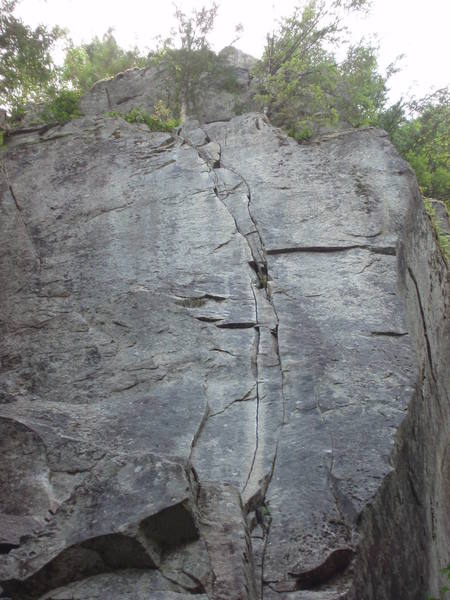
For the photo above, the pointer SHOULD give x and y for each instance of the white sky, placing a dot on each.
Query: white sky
(417, 28)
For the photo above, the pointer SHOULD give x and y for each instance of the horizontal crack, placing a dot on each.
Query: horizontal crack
(388, 250)
(243, 325)
(221, 350)
(389, 333)
(34, 129)
(206, 319)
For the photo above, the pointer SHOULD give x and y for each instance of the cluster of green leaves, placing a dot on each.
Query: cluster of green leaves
(28, 76)
(442, 237)
(27, 70)
(100, 59)
(445, 589)
(302, 84)
(61, 106)
(160, 120)
(420, 130)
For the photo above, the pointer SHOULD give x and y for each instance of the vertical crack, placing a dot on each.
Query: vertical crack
(108, 98)
(256, 370)
(280, 364)
(268, 322)
(424, 324)
(19, 208)
(259, 265)
(200, 428)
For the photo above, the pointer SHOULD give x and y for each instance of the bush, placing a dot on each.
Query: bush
(62, 107)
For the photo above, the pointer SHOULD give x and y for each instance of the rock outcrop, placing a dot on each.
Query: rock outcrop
(143, 88)
(223, 369)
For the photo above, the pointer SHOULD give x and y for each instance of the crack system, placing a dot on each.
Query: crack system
(266, 327)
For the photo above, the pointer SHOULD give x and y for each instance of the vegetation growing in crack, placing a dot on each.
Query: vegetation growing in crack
(160, 120)
(443, 237)
(445, 589)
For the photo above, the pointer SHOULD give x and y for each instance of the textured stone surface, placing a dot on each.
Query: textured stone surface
(208, 377)
(142, 88)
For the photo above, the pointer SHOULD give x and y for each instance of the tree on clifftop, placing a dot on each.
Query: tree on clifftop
(99, 59)
(26, 64)
(188, 61)
(420, 130)
(301, 81)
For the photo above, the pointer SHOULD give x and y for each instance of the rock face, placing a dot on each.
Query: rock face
(143, 88)
(223, 369)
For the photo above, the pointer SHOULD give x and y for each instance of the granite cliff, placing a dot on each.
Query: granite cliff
(224, 362)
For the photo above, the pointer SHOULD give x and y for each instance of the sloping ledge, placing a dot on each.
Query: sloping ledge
(406, 530)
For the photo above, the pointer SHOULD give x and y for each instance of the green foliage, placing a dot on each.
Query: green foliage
(186, 62)
(27, 74)
(100, 59)
(301, 82)
(26, 66)
(444, 589)
(420, 130)
(160, 120)
(62, 106)
(444, 244)
(361, 92)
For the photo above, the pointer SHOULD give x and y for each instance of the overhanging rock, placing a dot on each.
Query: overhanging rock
(217, 346)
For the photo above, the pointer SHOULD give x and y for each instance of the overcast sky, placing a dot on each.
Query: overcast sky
(418, 29)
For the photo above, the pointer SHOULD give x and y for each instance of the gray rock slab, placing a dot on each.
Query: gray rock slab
(138, 584)
(329, 218)
(207, 375)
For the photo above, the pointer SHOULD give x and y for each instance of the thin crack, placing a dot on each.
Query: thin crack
(197, 434)
(244, 398)
(99, 213)
(257, 341)
(223, 244)
(424, 325)
(221, 350)
(108, 98)
(19, 208)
